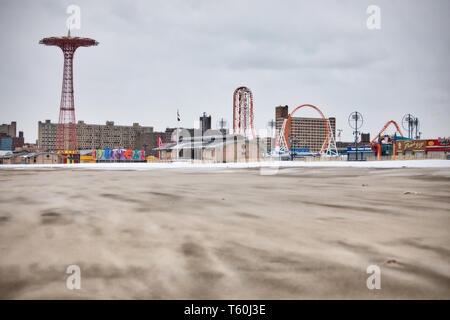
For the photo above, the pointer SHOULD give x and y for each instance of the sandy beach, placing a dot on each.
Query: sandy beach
(225, 233)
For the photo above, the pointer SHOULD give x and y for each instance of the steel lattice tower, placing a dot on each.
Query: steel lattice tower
(243, 112)
(66, 134)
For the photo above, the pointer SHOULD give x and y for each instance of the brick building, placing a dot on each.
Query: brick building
(9, 130)
(149, 140)
(19, 141)
(94, 136)
(9, 140)
(307, 133)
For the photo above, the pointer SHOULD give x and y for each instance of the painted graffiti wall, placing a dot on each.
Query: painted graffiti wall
(118, 154)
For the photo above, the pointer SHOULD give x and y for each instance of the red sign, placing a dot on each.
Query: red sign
(438, 145)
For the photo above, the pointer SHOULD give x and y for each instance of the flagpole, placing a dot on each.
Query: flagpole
(178, 123)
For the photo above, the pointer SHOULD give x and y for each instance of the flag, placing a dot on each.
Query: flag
(178, 115)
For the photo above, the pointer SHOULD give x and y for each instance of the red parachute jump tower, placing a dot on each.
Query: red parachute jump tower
(243, 112)
(66, 134)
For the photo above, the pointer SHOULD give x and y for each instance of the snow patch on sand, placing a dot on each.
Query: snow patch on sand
(283, 164)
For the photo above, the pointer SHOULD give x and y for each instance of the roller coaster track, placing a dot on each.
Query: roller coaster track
(385, 127)
(325, 122)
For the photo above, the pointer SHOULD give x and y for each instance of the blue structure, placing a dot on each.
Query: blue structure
(6, 144)
(300, 152)
(359, 153)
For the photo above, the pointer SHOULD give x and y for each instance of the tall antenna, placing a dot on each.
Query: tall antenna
(417, 126)
(410, 123)
(222, 125)
(272, 124)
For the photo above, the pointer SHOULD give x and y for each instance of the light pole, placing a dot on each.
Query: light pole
(355, 121)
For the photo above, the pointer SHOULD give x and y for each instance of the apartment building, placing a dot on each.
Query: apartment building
(148, 141)
(94, 136)
(9, 129)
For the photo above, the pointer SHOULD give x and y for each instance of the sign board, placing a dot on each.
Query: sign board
(411, 145)
(118, 154)
(360, 149)
(438, 145)
(299, 150)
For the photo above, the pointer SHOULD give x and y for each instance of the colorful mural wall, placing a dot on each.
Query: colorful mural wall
(71, 157)
(118, 154)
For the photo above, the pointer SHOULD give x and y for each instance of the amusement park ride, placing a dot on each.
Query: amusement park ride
(243, 112)
(243, 124)
(329, 147)
(376, 142)
(384, 128)
(66, 135)
(379, 144)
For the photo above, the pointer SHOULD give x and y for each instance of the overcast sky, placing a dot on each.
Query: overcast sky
(157, 56)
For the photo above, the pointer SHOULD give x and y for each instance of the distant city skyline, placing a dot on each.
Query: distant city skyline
(155, 57)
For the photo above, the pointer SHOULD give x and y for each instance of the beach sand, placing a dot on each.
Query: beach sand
(225, 234)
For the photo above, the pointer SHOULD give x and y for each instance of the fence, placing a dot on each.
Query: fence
(326, 159)
(422, 156)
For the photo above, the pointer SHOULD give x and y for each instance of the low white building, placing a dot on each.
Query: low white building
(214, 148)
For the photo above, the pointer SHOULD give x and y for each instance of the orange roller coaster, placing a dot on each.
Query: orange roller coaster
(324, 121)
(385, 127)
